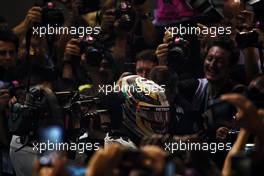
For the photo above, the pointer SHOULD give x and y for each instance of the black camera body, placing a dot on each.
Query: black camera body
(50, 13)
(125, 15)
(247, 39)
(92, 49)
(177, 52)
(178, 46)
(34, 108)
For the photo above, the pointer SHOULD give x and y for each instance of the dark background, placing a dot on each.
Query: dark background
(14, 11)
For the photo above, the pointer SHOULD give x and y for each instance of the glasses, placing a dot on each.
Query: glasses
(10, 53)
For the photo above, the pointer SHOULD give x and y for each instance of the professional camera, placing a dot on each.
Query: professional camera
(178, 46)
(50, 13)
(125, 15)
(177, 51)
(34, 108)
(93, 50)
(85, 120)
(82, 108)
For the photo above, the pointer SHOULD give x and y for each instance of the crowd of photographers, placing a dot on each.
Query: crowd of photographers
(133, 92)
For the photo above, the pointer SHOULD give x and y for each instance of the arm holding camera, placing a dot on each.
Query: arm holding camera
(71, 49)
(248, 41)
(162, 49)
(34, 15)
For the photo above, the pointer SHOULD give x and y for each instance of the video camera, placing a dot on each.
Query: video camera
(50, 13)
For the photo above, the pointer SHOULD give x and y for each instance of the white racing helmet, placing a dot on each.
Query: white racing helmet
(145, 109)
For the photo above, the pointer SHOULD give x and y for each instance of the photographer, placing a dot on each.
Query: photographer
(8, 62)
(36, 67)
(30, 112)
(177, 54)
(127, 30)
(42, 51)
(33, 16)
(240, 16)
(248, 41)
(8, 75)
(220, 58)
(87, 63)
